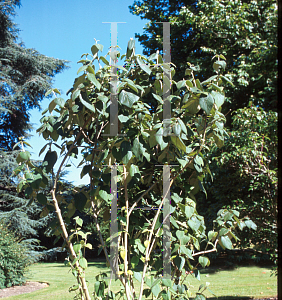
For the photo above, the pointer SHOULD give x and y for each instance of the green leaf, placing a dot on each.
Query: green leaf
(104, 195)
(82, 68)
(104, 60)
(140, 246)
(180, 84)
(125, 150)
(167, 282)
(198, 160)
(219, 64)
(114, 54)
(95, 48)
(74, 288)
(198, 84)
(138, 276)
(50, 160)
(123, 119)
(189, 210)
(133, 170)
(87, 104)
(86, 169)
(134, 261)
(56, 91)
(83, 263)
(176, 198)
(204, 261)
(194, 223)
(158, 98)
(41, 198)
(121, 68)
(172, 220)
(200, 297)
(176, 129)
(127, 98)
(183, 239)
(177, 141)
(189, 83)
(153, 56)
(35, 183)
(236, 213)
(52, 105)
(159, 139)
(226, 242)
(77, 247)
(75, 94)
(209, 80)
(78, 221)
(102, 97)
(143, 66)
(156, 289)
(90, 69)
(130, 47)
(186, 251)
(219, 89)
(192, 105)
(23, 156)
(206, 103)
(228, 216)
(212, 235)
(251, 224)
(218, 98)
(226, 79)
(48, 92)
(93, 79)
(60, 102)
(80, 201)
(131, 84)
(183, 126)
(166, 82)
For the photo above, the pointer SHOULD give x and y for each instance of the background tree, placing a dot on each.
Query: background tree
(245, 32)
(25, 75)
(248, 159)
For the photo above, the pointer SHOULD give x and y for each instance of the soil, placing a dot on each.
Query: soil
(28, 287)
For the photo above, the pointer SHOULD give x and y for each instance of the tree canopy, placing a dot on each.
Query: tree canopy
(25, 75)
(245, 32)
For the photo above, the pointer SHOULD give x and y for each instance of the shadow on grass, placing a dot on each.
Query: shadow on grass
(98, 263)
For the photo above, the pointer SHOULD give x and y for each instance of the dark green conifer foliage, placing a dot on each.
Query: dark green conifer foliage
(15, 213)
(25, 76)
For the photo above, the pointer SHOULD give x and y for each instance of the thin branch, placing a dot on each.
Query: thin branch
(206, 251)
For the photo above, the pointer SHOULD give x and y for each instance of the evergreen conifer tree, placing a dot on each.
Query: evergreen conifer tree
(25, 76)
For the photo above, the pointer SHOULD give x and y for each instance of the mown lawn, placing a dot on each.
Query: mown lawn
(240, 283)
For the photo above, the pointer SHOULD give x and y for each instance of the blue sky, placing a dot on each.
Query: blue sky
(66, 29)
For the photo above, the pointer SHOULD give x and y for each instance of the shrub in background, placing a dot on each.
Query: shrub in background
(245, 178)
(14, 259)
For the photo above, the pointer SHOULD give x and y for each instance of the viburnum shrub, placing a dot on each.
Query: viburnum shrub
(145, 148)
(13, 259)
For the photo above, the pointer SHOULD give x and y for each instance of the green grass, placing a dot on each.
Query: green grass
(242, 282)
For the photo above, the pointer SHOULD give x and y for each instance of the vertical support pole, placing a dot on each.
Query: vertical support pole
(166, 223)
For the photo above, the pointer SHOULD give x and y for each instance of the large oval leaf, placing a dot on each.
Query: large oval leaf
(127, 98)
